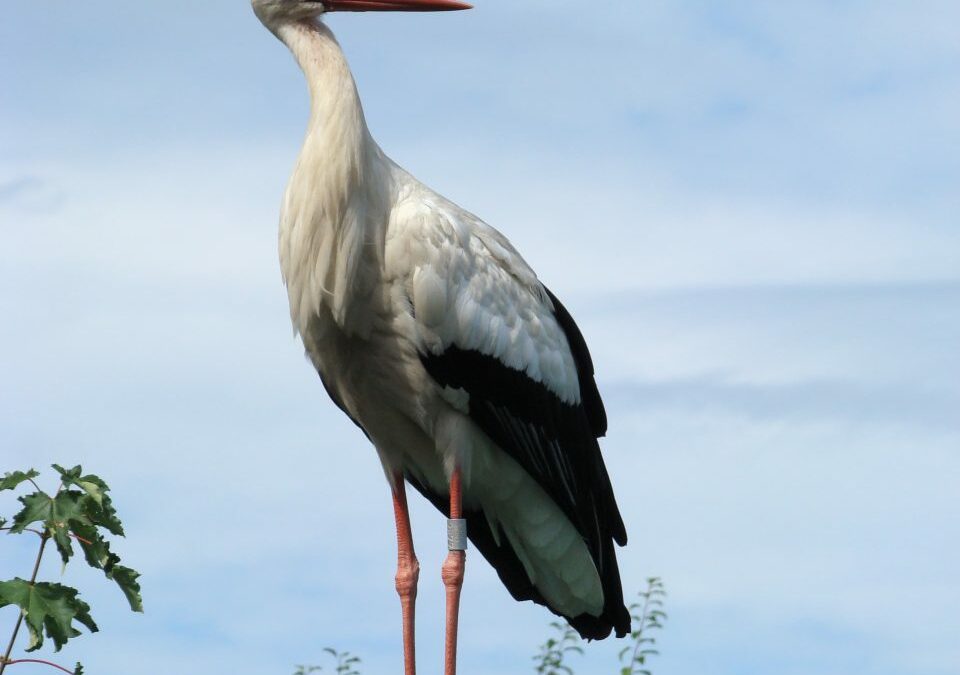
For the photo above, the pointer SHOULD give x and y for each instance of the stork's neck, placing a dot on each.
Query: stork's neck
(335, 208)
(336, 115)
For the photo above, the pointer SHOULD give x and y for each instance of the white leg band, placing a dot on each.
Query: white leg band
(456, 534)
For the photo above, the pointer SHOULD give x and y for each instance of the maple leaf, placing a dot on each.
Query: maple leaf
(36, 508)
(48, 609)
(126, 579)
(12, 479)
(57, 513)
(99, 507)
(98, 555)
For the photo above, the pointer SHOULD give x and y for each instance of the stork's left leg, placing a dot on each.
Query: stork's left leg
(408, 571)
(452, 571)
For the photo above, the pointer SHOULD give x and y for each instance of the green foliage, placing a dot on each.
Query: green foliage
(79, 510)
(78, 514)
(549, 661)
(47, 608)
(647, 615)
(345, 663)
(11, 480)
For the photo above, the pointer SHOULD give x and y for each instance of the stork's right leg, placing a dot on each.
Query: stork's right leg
(452, 571)
(408, 572)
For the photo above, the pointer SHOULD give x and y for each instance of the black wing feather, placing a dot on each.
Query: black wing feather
(589, 393)
(556, 444)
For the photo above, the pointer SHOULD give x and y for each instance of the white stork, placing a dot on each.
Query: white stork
(431, 332)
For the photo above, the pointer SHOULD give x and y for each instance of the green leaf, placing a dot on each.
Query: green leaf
(126, 579)
(78, 670)
(68, 476)
(11, 480)
(56, 513)
(91, 484)
(99, 556)
(95, 549)
(49, 609)
(98, 507)
(66, 510)
(36, 508)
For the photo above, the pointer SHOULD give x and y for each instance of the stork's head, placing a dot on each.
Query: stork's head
(275, 12)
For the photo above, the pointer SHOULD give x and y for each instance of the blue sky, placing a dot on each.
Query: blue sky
(750, 209)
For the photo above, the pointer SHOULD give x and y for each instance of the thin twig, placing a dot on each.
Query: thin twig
(26, 529)
(39, 533)
(46, 663)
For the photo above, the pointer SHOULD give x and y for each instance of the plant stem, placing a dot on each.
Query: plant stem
(643, 625)
(40, 534)
(26, 529)
(46, 663)
(16, 629)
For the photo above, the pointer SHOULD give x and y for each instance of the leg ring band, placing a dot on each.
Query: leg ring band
(456, 534)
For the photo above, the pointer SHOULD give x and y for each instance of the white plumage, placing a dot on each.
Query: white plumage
(423, 321)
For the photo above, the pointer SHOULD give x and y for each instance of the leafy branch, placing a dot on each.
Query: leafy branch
(346, 664)
(552, 652)
(648, 615)
(77, 511)
(306, 670)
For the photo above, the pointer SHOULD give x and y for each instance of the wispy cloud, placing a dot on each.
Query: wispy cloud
(903, 405)
(30, 194)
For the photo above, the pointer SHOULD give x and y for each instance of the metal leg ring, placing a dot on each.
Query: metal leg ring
(456, 534)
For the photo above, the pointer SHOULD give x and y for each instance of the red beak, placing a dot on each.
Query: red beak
(394, 5)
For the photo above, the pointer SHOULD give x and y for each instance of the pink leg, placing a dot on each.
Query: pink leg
(452, 575)
(408, 572)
